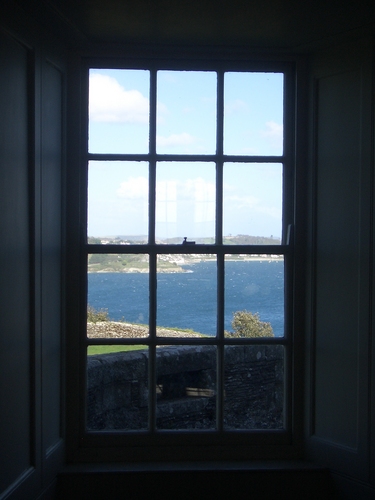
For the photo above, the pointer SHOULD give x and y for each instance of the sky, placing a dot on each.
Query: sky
(186, 124)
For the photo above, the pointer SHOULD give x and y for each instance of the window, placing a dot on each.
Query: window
(189, 217)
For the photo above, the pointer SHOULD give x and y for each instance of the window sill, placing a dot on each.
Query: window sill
(201, 479)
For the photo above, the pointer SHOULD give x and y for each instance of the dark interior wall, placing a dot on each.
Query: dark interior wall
(31, 173)
(340, 370)
(15, 285)
(341, 224)
(51, 254)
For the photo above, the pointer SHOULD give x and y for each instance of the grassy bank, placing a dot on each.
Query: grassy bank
(106, 349)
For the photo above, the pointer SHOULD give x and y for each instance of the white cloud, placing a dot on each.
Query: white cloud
(195, 197)
(273, 132)
(235, 106)
(204, 191)
(237, 203)
(111, 102)
(240, 202)
(166, 201)
(197, 190)
(174, 140)
(274, 212)
(134, 188)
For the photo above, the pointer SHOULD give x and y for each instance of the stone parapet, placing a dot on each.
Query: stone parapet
(186, 388)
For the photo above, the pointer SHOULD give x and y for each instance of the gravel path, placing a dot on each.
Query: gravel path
(114, 329)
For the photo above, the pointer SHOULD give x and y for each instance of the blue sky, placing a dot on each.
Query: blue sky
(186, 124)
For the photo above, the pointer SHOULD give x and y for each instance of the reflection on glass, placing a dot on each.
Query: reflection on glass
(117, 202)
(119, 111)
(185, 202)
(117, 389)
(186, 294)
(186, 387)
(186, 112)
(117, 295)
(254, 387)
(253, 113)
(252, 203)
(254, 296)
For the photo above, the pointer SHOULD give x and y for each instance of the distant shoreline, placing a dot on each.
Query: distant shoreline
(180, 270)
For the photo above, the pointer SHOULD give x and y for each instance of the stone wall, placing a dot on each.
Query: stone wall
(186, 388)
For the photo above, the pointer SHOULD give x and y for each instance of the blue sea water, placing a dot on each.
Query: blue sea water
(188, 300)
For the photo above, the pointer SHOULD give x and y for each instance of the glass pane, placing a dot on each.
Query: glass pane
(118, 292)
(254, 296)
(186, 112)
(119, 111)
(253, 113)
(186, 294)
(117, 388)
(117, 202)
(185, 202)
(254, 387)
(186, 387)
(252, 203)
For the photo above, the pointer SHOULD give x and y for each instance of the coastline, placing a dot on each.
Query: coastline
(119, 329)
(178, 269)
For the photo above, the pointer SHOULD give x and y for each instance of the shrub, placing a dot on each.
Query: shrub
(247, 324)
(93, 315)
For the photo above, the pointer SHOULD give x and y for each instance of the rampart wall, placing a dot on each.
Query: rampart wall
(186, 388)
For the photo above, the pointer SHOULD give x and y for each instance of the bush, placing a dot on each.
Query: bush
(247, 324)
(93, 315)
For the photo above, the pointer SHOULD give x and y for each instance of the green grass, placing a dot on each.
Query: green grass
(106, 349)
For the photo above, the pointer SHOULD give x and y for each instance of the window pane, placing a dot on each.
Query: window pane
(117, 388)
(186, 294)
(253, 113)
(119, 111)
(186, 112)
(118, 202)
(254, 296)
(185, 202)
(118, 292)
(254, 387)
(186, 387)
(252, 203)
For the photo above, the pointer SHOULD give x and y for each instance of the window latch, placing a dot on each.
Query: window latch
(186, 242)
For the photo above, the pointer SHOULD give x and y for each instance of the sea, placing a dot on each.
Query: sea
(188, 300)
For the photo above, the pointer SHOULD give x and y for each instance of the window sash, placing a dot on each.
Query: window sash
(219, 249)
